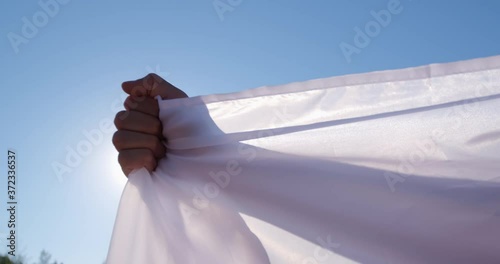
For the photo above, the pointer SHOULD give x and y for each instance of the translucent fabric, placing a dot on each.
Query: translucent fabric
(399, 166)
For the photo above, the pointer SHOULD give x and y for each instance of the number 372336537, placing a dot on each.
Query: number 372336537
(11, 174)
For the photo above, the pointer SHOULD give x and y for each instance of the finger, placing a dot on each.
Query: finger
(167, 91)
(135, 159)
(142, 85)
(123, 139)
(143, 104)
(139, 122)
(153, 85)
(135, 88)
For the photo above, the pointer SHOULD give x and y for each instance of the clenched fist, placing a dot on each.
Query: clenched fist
(139, 139)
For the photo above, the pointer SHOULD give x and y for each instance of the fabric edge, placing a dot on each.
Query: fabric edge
(411, 73)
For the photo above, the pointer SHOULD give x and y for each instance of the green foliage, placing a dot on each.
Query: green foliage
(44, 258)
(5, 260)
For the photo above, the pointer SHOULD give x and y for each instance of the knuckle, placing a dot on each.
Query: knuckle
(118, 139)
(151, 75)
(138, 90)
(122, 160)
(153, 78)
(147, 80)
(129, 103)
(120, 117)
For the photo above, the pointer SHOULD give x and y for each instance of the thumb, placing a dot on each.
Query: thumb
(152, 85)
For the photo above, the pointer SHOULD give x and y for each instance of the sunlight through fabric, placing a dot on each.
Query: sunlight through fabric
(396, 166)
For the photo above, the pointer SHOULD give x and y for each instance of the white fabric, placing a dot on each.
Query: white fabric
(397, 166)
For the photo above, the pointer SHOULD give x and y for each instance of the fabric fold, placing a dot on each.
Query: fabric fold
(398, 166)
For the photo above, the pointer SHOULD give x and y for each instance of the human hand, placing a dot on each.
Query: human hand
(139, 138)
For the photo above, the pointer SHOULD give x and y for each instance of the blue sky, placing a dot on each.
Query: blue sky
(63, 83)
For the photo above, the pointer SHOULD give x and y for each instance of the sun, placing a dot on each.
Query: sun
(109, 165)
